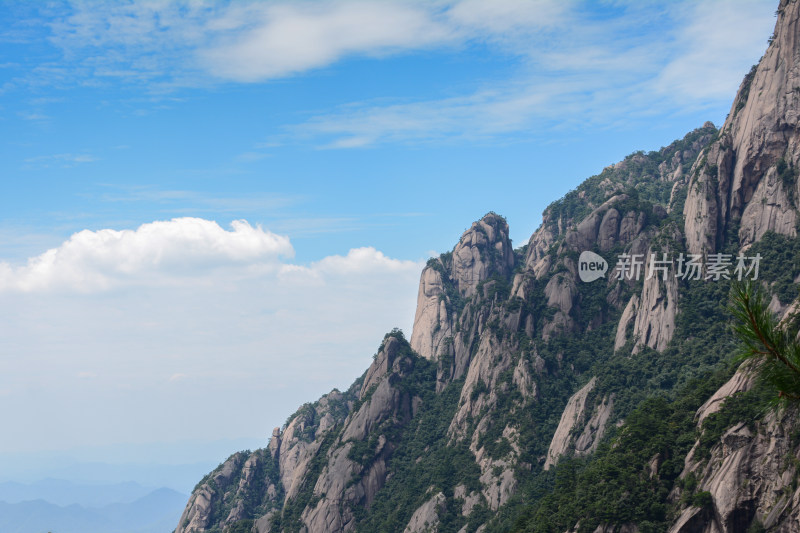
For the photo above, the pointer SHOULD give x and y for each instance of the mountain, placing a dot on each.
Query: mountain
(152, 513)
(63, 492)
(528, 399)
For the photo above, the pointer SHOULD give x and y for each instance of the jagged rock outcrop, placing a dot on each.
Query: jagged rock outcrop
(198, 514)
(257, 486)
(348, 480)
(565, 440)
(742, 381)
(595, 428)
(426, 518)
(469, 499)
(432, 322)
(573, 414)
(748, 175)
(483, 388)
(657, 307)
(561, 293)
(484, 250)
(628, 315)
(300, 441)
(751, 478)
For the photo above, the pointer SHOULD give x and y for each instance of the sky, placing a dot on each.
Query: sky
(211, 213)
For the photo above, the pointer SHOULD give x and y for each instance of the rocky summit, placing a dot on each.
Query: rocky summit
(527, 399)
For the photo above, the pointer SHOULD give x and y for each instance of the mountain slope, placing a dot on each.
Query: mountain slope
(530, 399)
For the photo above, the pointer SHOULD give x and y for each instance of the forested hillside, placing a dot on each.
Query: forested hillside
(528, 399)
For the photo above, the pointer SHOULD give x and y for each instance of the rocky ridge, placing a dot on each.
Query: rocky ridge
(516, 366)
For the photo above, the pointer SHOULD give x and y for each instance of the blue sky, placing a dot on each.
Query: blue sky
(213, 211)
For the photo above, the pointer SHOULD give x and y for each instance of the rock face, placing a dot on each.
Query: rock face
(572, 416)
(747, 176)
(484, 250)
(741, 381)
(655, 316)
(432, 323)
(627, 316)
(199, 512)
(348, 480)
(748, 477)
(426, 518)
(514, 363)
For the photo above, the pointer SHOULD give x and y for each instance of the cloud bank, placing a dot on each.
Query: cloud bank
(96, 260)
(154, 333)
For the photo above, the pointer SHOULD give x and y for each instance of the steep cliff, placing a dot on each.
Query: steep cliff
(745, 182)
(530, 399)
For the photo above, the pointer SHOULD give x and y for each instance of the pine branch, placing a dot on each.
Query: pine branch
(766, 342)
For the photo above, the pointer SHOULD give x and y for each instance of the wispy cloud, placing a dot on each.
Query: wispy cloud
(275, 41)
(34, 116)
(714, 46)
(65, 160)
(189, 201)
(573, 64)
(589, 77)
(251, 157)
(181, 42)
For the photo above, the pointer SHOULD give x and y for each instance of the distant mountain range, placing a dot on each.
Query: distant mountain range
(64, 507)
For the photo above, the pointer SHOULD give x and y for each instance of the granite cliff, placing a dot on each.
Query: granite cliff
(528, 399)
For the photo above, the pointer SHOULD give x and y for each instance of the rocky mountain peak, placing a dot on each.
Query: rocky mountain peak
(483, 250)
(746, 181)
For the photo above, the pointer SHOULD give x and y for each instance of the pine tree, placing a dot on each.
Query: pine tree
(772, 346)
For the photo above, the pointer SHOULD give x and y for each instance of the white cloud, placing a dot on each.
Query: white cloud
(96, 260)
(189, 324)
(362, 261)
(279, 40)
(501, 17)
(358, 264)
(176, 42)
(715, 49)
(573, 71)
(571, 65)
(478, 116)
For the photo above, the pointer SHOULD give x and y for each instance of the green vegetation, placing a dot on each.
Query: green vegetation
(742, 407)
(242, 526)
(744, 92)
(657, 394)
(423, 464)
(638, 172)
(787, 175)
(779, 265)
(770, 346)
(613, 486)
